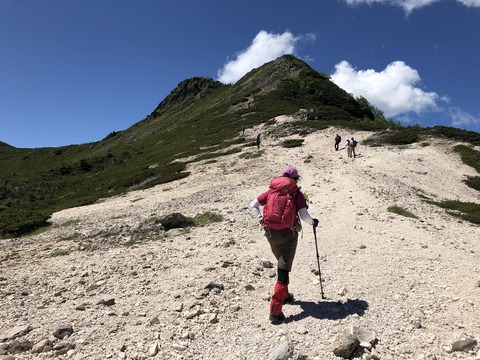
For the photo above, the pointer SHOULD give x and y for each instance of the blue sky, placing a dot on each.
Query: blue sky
(72, 71)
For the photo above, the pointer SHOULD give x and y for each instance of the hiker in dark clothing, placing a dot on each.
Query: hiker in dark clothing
(258, 141)
(338, 139)
(353, 145)
(282, 234)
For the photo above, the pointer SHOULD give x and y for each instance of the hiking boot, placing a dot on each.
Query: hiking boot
(277, 319)
(290, 299)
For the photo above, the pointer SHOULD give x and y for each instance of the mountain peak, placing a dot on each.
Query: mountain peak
(195, 88)
(271, 73)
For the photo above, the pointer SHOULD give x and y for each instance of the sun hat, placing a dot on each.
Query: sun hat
(290, 171)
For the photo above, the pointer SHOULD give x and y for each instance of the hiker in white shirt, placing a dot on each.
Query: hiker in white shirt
(349, 148)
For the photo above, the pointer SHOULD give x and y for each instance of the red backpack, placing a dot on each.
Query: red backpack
(279, 212)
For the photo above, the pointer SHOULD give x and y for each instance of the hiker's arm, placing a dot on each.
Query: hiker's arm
(255, 209)
(305, 216)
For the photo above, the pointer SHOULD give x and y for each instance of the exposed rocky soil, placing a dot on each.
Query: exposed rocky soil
(107, 281)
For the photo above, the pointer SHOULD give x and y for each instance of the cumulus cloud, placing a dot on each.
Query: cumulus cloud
(462, 118)
(392, 90)
(410, 5)
(472, 3)
(265, 47)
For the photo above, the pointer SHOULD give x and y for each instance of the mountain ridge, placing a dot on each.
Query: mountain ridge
(200, 119)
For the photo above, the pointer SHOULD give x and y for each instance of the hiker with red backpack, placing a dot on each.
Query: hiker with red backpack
(283, 204)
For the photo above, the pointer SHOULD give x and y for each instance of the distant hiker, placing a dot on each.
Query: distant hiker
(353, 145)
(243, 130)
(283, 203)
(338, 139)
(348, 145)
(258, 141)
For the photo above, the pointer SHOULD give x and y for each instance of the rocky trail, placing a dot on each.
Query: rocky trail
(107, 281)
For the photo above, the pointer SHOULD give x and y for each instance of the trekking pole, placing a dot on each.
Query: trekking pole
(318, 262)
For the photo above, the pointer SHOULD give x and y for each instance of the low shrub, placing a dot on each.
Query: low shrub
(473, 182)
(401, 211)
(252, 155)
(206, 218)
(292, 143)
(469, 156)
(465, 210)
(403, 136)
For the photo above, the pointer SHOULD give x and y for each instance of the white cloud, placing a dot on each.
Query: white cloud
(394, 90)
(265, 47)
(462, 118)
(410, 5)
(472, 3)
(391, 90)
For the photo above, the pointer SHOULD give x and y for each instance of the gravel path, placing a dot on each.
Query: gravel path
(128, 290)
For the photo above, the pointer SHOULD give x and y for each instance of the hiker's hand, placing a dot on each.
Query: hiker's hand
(315, 223)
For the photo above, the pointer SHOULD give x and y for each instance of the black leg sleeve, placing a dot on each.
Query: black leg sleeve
(282, 276)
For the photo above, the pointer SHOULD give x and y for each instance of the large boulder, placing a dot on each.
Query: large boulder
(175, 220)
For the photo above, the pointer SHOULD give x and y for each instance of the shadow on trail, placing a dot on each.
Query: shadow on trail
(331, 310)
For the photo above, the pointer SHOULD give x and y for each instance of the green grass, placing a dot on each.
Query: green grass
(206, 218)
(70, 223)
(422, 196)
(471, 157)
(401, 211)
(395, 134)
(468, 211)
(473, 182)
(252, 154)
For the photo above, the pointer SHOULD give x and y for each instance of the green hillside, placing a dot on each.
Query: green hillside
(201, 118)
